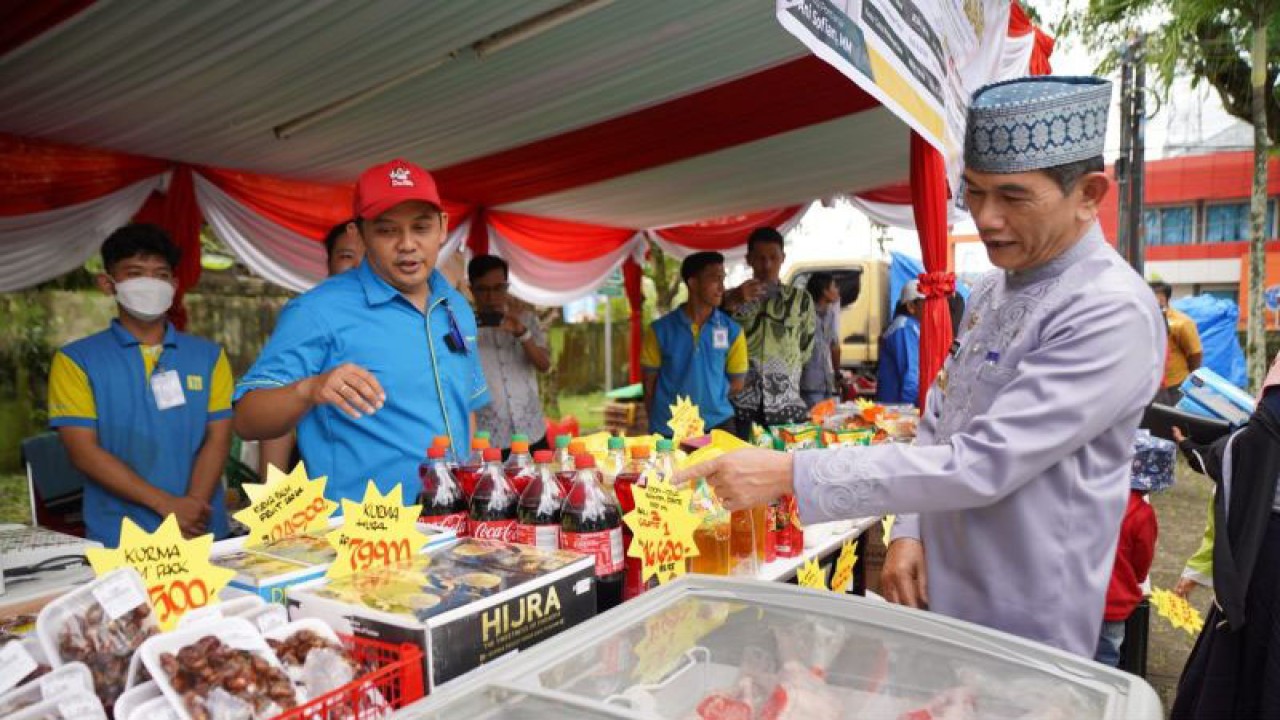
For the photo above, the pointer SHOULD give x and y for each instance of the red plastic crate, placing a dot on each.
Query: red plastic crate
(394, 681)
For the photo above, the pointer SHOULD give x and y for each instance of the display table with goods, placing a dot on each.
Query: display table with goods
(719, 649)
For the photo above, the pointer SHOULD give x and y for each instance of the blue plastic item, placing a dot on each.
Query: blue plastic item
(1209, 394)
(1217, 320)
(904, 268)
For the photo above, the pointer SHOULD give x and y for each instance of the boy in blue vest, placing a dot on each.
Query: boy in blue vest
(696, 351)
(144, 410)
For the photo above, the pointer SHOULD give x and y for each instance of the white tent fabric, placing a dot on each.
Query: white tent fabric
(42, 246)
(900, 216)
(546, 282)
(272, 251)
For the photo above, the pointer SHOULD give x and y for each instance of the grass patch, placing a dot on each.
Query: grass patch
(15, 503)
(589, 409)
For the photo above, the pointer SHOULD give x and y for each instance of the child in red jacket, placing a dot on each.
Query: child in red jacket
(1134, 554)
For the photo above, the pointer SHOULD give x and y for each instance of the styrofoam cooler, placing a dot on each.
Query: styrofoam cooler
(1207, 393)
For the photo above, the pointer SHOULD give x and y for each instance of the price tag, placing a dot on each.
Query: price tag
(175, 571)
(379, 531)
(662, 527)
(118, 595)
(285, 506)
(842, 578)
(810, 575)
(886, 526)
(15, 664)
(686, 420)
(1177, 611)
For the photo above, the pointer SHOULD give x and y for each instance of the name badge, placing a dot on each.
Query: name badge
(720, 338)
(167, 389)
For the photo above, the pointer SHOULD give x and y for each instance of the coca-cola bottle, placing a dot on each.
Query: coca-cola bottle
(493, 504)
(442, 441)
(568, 469)
(443, 502)
(538, 516)
(519, 465)
(468, 470)
(632, 475)
(591, 524)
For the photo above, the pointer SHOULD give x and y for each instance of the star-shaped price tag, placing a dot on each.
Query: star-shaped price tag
(843, 575)
(810, 575)
(176, 571)
(886, 526)
(662, 527)
(1177, 611)
(686, 420)
(285, 506)
(378, 531)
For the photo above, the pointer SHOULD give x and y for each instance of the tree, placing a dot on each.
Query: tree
(1222, 43)
(664, 272)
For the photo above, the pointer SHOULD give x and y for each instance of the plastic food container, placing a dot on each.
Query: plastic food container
(70, 678)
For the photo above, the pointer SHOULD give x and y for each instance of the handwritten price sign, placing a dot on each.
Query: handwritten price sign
(285, 506)
(662, 527)
(379, 531)
(843, 575)
(686, 420)
(810, 575)
(1177, 611)
(176, 571)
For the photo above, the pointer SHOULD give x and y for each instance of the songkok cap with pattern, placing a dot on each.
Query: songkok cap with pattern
(1034, 123)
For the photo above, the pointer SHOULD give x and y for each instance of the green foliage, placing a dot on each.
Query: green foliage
(1204, 40)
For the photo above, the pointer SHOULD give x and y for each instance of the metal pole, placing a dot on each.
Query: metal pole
(1137, 163)
(1123, 239)
(608, 344)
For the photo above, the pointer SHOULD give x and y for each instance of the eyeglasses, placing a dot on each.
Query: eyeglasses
(490, 289)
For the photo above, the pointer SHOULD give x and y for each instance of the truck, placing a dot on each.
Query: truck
(866, 309)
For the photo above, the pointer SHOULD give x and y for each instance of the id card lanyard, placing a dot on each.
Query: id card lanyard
(166, 387)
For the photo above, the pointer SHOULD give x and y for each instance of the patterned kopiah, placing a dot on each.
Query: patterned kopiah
(1035, 123)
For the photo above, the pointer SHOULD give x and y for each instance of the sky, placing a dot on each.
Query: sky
(1189, 117)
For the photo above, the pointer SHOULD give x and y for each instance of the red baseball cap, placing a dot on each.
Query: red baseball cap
(384, 186)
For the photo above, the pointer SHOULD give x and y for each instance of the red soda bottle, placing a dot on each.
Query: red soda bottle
(493, 505)
(443, 503)
(632, 475)
(442, 441)
(568, 470)
(591, 524)
(538, 515)
(519, 467)
(468, 471)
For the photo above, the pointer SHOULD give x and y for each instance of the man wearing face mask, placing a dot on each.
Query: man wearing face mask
(144, 410)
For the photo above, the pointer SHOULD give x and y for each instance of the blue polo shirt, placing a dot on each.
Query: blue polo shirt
(693, 361)
(357, 317)
(102, 382)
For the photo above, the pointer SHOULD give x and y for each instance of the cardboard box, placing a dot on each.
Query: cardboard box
(464, 605)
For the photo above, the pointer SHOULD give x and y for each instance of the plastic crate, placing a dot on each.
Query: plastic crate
(394, 681)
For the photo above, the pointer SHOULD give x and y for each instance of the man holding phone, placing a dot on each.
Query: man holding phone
(513, 350)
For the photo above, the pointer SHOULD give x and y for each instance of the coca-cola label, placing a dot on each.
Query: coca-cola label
(457, 522)
(546, 537)
(605, 545)
(503, 530)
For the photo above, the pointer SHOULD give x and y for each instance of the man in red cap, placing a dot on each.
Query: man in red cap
(372, 363)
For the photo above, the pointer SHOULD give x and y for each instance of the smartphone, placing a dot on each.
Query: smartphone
(489, 318)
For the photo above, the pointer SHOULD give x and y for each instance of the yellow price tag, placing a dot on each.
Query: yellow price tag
(810, 575)
(285, 506)
(176, 571)
(662, 527)
(1177, 611)
(686, 420)
(842, 578)
(886, 525)
(379, 531)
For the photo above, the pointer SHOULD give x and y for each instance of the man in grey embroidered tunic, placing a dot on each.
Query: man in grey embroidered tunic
(1014, 491)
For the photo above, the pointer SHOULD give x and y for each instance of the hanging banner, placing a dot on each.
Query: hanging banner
(921, 59)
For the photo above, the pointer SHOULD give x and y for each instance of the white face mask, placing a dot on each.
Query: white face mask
(145, 298)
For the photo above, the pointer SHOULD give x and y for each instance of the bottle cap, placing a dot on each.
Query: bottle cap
(492, 455)
(584, 461)
(520, 437)
(435, 453)
(639, 452)
(617, 443)
(562, 441)
(483, 434)
(441, 441)
(543, 457)
(480, 444)
(577, 447)
(665, 445)
(520, 447)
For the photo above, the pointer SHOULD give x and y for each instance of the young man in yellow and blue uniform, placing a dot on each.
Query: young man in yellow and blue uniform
(696, 351)
(373, 363)
(144, 410)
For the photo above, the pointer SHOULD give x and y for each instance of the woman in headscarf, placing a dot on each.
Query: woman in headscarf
(1234, 669)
